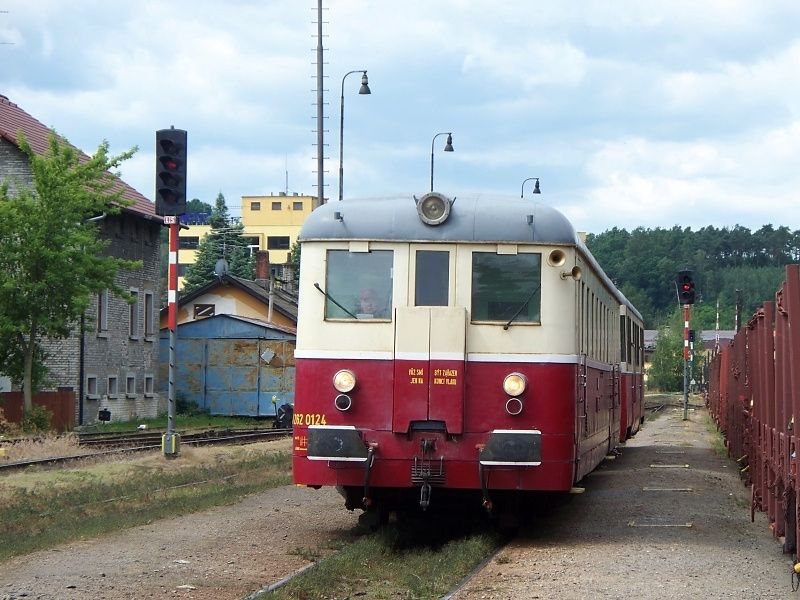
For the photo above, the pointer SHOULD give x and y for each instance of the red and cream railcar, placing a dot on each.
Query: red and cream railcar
(469, 345)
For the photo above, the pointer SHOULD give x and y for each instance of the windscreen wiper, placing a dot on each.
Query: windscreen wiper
(329, 297)
(521, 306)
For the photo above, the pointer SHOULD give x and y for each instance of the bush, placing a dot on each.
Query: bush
(7, 427)
(188, 408)
(38, 419)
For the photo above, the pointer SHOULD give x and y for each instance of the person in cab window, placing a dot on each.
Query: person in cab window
(369, 306)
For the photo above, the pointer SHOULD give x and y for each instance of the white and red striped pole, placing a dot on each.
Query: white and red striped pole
(685, 361)
(170, 443)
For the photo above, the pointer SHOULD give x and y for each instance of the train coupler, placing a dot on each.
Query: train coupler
(486, 503)
(425, 496)
(367, 500)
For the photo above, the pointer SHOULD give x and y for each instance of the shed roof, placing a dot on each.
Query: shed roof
(232, 327)
(13, 120)
(283, 302)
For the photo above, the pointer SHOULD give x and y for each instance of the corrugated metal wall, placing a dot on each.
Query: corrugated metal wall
(231, 375)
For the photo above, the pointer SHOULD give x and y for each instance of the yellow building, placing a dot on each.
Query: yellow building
(271, 223)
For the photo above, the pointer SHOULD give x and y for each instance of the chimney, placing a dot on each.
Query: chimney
(262, 268)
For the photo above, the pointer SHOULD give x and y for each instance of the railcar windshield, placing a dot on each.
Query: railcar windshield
(506, 287)
(361, 282)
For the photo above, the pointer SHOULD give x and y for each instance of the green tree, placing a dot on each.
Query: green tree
(223, 241)
(666, 366)
(51, 256)
(294, 260)
(197, 206)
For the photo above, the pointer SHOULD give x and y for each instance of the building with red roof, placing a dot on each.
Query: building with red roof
(111, 359)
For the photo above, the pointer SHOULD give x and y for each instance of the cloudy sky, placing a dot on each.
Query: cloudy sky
(631, 112)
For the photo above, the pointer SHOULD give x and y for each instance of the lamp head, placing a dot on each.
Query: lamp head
(536, 189)
(448, 147)
(364, 89)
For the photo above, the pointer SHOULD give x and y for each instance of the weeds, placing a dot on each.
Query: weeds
(381, 565)
(89, 505)
(182, 423)
(44, 446)
(717, 439)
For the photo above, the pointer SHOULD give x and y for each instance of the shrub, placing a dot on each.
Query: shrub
(38, 419)
(188, 408)
(7, 427)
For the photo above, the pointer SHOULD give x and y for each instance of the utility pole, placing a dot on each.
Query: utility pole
(320, 112)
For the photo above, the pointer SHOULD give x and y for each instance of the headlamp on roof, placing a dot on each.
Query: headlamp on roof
(434, 208)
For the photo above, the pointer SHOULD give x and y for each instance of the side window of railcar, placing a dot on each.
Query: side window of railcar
(359, 285)
(506, 287)
(432, 278)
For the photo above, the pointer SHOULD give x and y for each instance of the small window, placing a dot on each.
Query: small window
(432, 278)
(113, 386)
(182, 267)
(201, 311)
(278, 242)
(255, 206)
(188, 242)
(130, 386)
(149, 386)
(276, 206)
(149, 324)
(252, 240)
(506, 287)
(359, 285)
(297, 205)
(91, 387)
(102, 312)
(133, 315)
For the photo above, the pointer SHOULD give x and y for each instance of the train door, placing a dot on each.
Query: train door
(582, 415)
(430, 340)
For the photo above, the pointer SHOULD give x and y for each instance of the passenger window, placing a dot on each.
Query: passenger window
(359, 285)
(432, 278)
(506, 287)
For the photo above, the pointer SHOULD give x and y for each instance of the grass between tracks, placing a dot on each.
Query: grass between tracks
(51, 507)
(385, 565)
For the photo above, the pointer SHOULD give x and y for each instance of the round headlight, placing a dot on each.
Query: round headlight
(433, 208)
(344, 381)
(513, 406)
(343, 402)
(514, 384)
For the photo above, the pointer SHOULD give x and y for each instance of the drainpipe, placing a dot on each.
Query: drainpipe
(82, 351)
(271, 295)
(81, 367)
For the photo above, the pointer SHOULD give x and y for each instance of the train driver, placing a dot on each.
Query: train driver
(369, 307)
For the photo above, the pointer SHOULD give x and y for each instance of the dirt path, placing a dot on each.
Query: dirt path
(638, 532)
(223, 553)
(647, 527)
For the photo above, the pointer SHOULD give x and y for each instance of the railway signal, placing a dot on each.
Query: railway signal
(170, 171)
(685, 285)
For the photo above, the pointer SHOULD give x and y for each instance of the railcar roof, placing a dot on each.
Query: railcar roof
(478, 217)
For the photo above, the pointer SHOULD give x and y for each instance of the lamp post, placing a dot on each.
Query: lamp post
(448, 147)
(536, 189)
(364, 89)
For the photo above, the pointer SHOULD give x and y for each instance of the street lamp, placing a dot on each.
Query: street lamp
(536, 189)
(448, 147)
(364, 89)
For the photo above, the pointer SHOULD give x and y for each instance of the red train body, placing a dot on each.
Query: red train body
(754, 397)
(504, 360)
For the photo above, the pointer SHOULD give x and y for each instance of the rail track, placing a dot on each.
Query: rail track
(112, 444)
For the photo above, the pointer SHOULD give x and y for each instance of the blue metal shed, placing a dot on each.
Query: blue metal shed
(231, 365)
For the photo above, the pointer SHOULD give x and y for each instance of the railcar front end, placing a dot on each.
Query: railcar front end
(449, 348)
